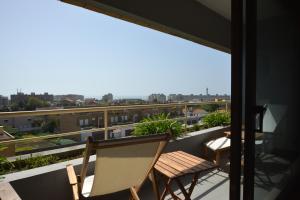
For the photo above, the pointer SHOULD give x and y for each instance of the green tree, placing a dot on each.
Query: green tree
(4, 109)
(210, 107)
(17, 106)
(50, 126)
(34, 103)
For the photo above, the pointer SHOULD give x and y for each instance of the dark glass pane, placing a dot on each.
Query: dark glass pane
(277, 142)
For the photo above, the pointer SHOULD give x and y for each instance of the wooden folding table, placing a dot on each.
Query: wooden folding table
(174, 165)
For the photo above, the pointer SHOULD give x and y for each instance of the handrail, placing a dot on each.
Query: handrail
(105, 110)
(99, 109)
(45, 137)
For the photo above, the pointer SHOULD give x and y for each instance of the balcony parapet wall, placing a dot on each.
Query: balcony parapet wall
(51, 182)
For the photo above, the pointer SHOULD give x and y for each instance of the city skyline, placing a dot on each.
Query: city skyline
(33, 101)
(53, 47)
(114, 96)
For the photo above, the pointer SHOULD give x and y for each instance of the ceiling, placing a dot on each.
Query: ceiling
(202, 21)
(222, 7)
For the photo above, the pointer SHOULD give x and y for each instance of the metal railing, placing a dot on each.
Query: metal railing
(105, 111)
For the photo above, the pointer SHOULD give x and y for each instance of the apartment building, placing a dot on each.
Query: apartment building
(72, 97)
(200, 97)
(3, 101)
(108, 98)
(157, 98)
(20, 97)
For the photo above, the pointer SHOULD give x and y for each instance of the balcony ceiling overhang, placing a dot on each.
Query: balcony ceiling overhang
(206, 22)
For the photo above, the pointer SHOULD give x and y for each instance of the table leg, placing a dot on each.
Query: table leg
(187, 194)
(218, 158)
(206, 151)
(194, 182)
(164, 193)
(181, 187)
(167, 189)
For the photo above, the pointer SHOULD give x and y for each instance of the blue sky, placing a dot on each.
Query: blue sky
(50, 46)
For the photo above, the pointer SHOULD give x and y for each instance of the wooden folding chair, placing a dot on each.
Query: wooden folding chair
(120, 164)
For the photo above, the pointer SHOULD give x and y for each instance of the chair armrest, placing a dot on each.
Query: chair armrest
(73, 181)
(8, 192)
(71, 174)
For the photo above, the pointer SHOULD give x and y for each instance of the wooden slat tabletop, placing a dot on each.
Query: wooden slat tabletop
(179, 163)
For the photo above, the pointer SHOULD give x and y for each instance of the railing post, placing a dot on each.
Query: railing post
(105, 124)
(98, 122)
(186, 118)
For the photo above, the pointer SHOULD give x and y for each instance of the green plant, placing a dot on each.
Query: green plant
(34, 162)
(217, 119)
(5, 165)
(197, 127)
(30, 163)
(210, 107)
(158, 124)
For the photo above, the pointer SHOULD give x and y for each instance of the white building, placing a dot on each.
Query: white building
(157, 98)
(3, 101)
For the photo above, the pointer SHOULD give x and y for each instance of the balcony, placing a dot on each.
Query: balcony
(51, 182)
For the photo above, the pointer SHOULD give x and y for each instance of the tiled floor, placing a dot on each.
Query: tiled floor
(211, 186)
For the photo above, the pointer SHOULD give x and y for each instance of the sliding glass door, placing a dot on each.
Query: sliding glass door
(271, 86)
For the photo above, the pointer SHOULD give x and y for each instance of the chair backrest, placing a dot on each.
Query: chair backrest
(123, 163)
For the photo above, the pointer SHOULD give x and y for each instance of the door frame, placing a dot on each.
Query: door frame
(243, 97)
(237, 38)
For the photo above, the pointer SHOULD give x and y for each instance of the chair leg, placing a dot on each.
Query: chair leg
(153, 179)
(134, 194)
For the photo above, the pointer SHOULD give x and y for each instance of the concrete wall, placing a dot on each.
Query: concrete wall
(51, 182)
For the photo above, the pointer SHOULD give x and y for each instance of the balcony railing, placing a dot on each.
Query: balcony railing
(105, 112)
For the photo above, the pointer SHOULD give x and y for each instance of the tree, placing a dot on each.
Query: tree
(210, 107)
(4, 109)
(17, 106)
(50, 126)
(34, 103)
